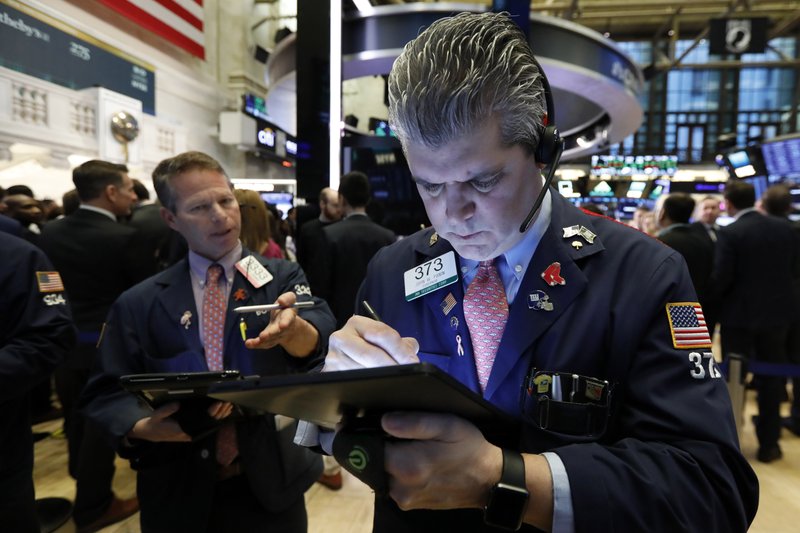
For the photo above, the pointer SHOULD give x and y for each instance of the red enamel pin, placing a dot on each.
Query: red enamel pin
(552, 275)
(239, 295)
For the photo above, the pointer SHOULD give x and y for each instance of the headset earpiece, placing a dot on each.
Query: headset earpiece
(548, 145)
(548, 151)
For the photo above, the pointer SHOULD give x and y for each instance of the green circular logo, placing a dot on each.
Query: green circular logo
(358, 458)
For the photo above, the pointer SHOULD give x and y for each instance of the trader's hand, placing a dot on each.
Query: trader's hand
(159, 427)
(286, 329)
(443, 462)
(366, 343)
(220, 410)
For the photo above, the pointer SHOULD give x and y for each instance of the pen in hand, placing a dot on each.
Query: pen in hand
(370, 311)
(270, 307)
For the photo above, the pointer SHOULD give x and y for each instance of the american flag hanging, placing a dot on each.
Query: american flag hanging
(178, 21)
(688, 325)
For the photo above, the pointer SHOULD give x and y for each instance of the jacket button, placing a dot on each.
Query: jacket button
(204, 453)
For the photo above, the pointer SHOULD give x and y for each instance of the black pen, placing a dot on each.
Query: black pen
(370, 311)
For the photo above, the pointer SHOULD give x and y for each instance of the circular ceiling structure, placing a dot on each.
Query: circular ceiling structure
(595, 85)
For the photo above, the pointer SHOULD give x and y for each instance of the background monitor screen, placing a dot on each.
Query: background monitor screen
(255, 106)
(738, 159)
(626, 207)
(745, 162)
(795, 192)
(782, 157)
(567, 189)
(759, 183)
(648, 165)
(380, 127)
(282, 200)
(636, 189)
(602, 188)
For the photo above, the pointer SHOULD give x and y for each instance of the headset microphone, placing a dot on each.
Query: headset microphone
(549, 149)
(548, 180)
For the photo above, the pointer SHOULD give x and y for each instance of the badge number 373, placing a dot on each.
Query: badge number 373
(425, 268)
(430, 276)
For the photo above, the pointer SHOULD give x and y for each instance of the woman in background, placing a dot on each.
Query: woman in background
(256, 224)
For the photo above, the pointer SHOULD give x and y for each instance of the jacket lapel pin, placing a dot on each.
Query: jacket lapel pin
(186, 319)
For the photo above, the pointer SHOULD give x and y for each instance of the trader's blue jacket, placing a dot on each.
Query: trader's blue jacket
(669, 459)
(152, 328)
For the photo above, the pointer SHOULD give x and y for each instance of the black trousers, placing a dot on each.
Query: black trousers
(91, 458)
(235, 509)
(17, 502)
(768, 345)
(389, 518)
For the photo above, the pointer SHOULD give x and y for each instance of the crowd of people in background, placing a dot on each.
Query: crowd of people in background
(334, 239)
(105, 236)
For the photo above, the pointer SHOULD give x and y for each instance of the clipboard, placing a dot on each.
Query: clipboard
(366, 393)
(188, 388)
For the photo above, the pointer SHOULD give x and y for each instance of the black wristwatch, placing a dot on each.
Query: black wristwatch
(509, 497)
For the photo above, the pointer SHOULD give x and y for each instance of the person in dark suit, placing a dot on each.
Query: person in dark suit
(756, 265)
(708, 212)
(98, 259)
(27, 211)
(146, 217)
(36, 333)
(777, 202)
(309, 238)
(348, 246)
(254, 478)
(525, 304)
(8, 224)
(672, 217)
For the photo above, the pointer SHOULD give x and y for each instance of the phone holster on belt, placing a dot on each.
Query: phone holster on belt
(359, 447)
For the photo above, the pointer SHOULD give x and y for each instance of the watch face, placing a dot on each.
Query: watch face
(506, 507)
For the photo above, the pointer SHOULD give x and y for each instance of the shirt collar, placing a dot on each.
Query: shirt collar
(518, 257)
(743, 212)
(671, 227)
(200, 264)
(100, 210)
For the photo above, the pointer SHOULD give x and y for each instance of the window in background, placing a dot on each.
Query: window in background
(687, 108)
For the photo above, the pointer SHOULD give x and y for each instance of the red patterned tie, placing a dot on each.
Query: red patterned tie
(486, 313)
(214, 307)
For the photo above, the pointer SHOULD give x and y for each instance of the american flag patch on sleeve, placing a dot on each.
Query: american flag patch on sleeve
(49, 282)
(687, 324)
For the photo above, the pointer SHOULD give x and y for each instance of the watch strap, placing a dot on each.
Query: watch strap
(508, 498)
(513, 469)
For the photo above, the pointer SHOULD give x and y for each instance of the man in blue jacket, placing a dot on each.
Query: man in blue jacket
(586, 331)
(36, 334)
(248, 474)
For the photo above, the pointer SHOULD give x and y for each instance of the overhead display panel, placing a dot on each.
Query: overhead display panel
(595, 84)
(36, 44)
